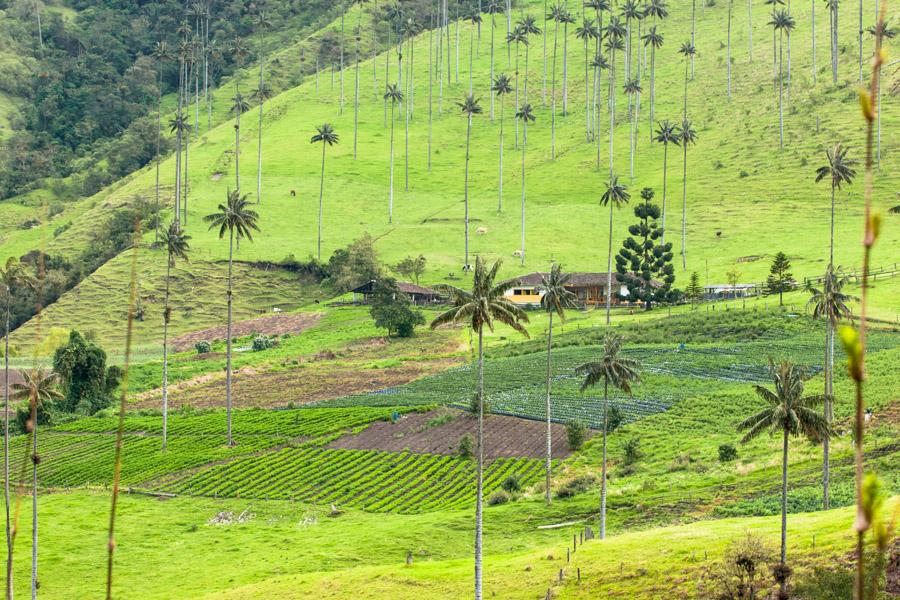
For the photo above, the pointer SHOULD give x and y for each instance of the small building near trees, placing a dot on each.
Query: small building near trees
(418, 295)
(589, 289)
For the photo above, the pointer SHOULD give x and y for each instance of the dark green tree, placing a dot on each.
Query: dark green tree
(780, 279)
(392, 310)
(87, 383)
(644, 264)
(694, 291)
(410, 267)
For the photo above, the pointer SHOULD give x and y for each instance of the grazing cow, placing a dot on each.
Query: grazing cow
(293, 194)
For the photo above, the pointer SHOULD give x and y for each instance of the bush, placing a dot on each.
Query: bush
(512, 484)
(263, 342)
(743, 571)
(579, 485)
(393, 310)
(727, 453)
(614, 419)
(464, 450)
(576, 433)
(498, 497)
(633, 451)
(203, 347)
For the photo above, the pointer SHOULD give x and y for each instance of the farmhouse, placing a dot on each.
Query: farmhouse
(589, 289)
(418, 294)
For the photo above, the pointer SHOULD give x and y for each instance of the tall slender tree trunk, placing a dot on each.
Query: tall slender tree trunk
(524, 146)
(665, 165)
(813, 6)
(834, 45)
(728, 53)
(609, 276)
(479, 470)
(165, 384)
(553, 97)
(158, 142)
(356, 86)
(500, 178)
(341, 103)
(492, 64)
(784, 490)
(430, 83)
(517, 90)
(9, 548)
(228, 374)
(565, 70)
(321, 193)
(545, 53)
(391, 183)
(685, 86)
(612, 105)
(587, 93)
(684, 210)
(780, 92)
(603, 467)
(34, 505)
(693, 33)
(652, 85)
(750, 29)
(549, 408)
(406, 115)
(860, 40)
(466, 193)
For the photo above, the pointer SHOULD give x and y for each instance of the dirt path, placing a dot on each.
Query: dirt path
(275, 324)
(439, 432)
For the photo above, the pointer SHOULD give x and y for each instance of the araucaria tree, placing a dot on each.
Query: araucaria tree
(502, 86)
(617, 371)
(555, 299)
(666, 133)
(832, 305)
(469, 108)
(644, 264)
(394, 96)
(694, 291)
(327, 136)
(485, 305)
(789, 413)
(176, 244)
(526, 115)
(688, 137)
(615, 196)
(236, 218)
(780, 279)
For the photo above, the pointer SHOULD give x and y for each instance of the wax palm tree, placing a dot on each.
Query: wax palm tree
(177, 246)
(238, 107)
(655, 41)
(394, 96)
(161, 54)
(832, 305)
(556, 15)
(38, 388)
(688, 51)
(528, 26)
(832, 6)
(327, 136)
(631, 11)
(615, 370)
(632, 88)
(566, 19)
(239, 221)
(485, 305)
(789, 413)
(14, 276)
(518, 37)
(526, 115)
(783, 23)
(469, 108)
(180, 126)
(728, 44)
(260, 95)
(475, 20)
(587, 32)
(615, 32)
(501, 87)
(615, 196)
(666, 133)
(688, 136)
(773, 4)
(599, 64)
(555, 299)
(838, 171)
(359, 6)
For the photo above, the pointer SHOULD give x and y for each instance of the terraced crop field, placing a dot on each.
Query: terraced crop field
(401, 482)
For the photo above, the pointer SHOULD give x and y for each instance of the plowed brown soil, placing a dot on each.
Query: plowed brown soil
(276, 324)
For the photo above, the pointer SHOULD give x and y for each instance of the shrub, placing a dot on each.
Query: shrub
(512, 484)
(498, 497)
(633, 451)
(727, 453)
(614, 419)
(743, 174)
(262, 342)
(203, 347)
(579, 485)
(742, 573)
(464, 450)
(576, 433)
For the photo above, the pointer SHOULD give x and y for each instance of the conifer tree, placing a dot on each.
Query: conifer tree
(644, 263)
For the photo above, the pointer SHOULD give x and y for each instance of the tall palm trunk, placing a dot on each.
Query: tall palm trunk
(750, 29)
(665, 164)
(829, 373)
(860, 41)
(693, 33)
(587, 93)
(500, 179)
(524, 145)
(492, 63)
(553, 97)
(784, 490)
(652, 85)
(165, 385)
(813, 5)
(603, 467)
(549, 408)
(517, 89)
(391, 184)
(565, 70)
(728, 52)
(356, 86)
(9, 549)
(158, 142)
(466, 193)
(612, 105)
(609, 276)
(685, 86)
(479, 469)
(34, 504)
(228, 338)
(321, 193)
(780, 91)
(259, 142)
(544, 30)
(341, 103)
(406, 115)
(684, 210)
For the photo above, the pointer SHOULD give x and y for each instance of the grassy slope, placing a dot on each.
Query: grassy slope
(777, 207)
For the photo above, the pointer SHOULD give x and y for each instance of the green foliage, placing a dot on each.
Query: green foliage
(203, 347)
(780, 278)
(632, 450)
(411, 268)
(614, 418)
(264, 342)
(575, 486)
(694, 291)
(498, 497)
(392, 309)
(512, 484)
(576, 433)
(727, 453)
(88, 384)
(353, 266)
(464, 449)
(645, 264)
